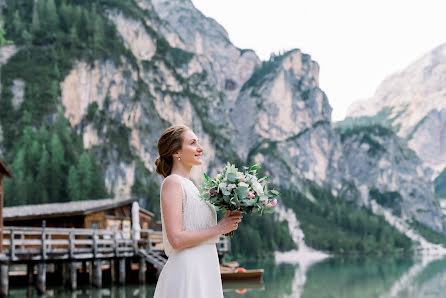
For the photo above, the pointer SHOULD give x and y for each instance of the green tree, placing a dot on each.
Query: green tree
(74, 192)
(51, 17)
(44, 176)
(57, 162)
(35, 23)
(19, 192)
(85, 172)
(3, 40)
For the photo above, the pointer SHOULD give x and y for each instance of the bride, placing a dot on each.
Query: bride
(189, 224)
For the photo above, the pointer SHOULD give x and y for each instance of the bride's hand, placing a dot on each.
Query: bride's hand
(230, 221)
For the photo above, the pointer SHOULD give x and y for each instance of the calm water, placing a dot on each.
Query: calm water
(333, 278)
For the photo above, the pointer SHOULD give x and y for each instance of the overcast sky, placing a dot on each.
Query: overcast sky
(357, 43)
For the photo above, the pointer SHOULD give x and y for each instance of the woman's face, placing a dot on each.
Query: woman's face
(191, 151)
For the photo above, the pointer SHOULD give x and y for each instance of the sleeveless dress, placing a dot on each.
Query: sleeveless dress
(193, 272)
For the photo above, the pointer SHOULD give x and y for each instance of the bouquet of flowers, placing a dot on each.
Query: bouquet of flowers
(234, 190)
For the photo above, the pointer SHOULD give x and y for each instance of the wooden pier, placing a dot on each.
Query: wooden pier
(73, 250)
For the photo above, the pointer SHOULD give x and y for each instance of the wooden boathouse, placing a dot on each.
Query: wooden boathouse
(83, 237)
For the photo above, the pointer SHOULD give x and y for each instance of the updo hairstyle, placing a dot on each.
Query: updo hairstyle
(169, 143)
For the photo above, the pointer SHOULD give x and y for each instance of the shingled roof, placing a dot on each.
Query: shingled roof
(61, 209)
(4, 169)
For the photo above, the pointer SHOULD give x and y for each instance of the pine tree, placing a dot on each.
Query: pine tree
(35, 23)
(43, 177)
(19, 191)
(73, 185)
(85, 172)
(3, 40)
(34, 158)
(51, 17)
(57, 162)
(99, 190)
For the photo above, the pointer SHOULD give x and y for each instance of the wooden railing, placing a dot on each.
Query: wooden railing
(27, 243)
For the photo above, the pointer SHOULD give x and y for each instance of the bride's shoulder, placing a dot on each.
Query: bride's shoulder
(171, 181)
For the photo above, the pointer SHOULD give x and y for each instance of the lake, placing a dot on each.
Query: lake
(350, 277)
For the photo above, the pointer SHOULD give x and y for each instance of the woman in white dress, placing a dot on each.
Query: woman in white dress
(189, 224)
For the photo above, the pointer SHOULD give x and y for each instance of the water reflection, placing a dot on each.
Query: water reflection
(402, 277)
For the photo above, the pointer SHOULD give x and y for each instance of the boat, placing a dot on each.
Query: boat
(231, 272)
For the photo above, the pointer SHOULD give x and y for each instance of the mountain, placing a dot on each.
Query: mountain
(101, 80)
(413, 103)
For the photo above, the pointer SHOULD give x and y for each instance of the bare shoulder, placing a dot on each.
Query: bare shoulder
(171, 186)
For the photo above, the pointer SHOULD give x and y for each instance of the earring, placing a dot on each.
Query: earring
(179, 158)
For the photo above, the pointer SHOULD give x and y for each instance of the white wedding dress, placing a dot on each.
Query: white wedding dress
(192, 272)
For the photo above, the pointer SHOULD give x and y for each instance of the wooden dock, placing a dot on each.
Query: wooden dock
(90, 247)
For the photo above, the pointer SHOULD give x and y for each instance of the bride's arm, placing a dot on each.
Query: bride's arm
(172, 203)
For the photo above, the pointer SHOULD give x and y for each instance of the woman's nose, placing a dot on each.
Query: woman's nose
(200, 148)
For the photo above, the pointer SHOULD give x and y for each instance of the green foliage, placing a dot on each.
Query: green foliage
(429, 234)
(367, 134)
(3, 40)
(49, 166)
(146, 185)
(51, 35)
(390, 199)
(177, 56)
(117, 133)
(261, 71)
(259, 236)
(440, 185)
(334, 225)
(382, 118)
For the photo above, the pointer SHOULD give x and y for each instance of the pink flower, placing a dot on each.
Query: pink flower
(274, 203)
(269, 205)
(264, 202)
(251, 195)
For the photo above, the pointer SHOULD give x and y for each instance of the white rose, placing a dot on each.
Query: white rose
(257, 188)
(222, 185)
(230, 187)
(243, 184)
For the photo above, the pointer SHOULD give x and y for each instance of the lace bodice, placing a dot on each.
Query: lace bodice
(198, 214)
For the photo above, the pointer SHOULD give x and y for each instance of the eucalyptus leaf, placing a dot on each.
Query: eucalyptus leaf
(256, 166)
(231, 177)
(226, 199)
(242, 191)
(275, 192)
(225, 192)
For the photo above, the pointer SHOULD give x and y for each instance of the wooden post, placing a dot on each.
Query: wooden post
(43, 240)
(12, 245)
(71, 245)
(41, 278)
(4, 280)
(4, 170)
(90, 271)
(149, 242)
(122, 271)
(1, 212)
(73, 276)
(116, 243)
(97, 280)
(113, 270)
(142, 270)
(30, 273)
(84, 267)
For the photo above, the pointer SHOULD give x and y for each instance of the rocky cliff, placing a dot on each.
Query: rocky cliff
(179, 66)
(413, 102)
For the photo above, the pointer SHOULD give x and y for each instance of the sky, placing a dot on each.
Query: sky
(357, 43)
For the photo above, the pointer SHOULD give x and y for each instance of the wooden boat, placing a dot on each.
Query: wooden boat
(231, 272)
